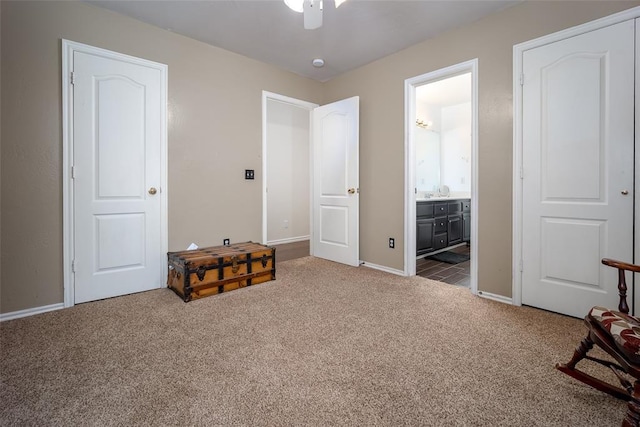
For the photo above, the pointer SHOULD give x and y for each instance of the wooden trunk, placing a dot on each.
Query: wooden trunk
(208, 271)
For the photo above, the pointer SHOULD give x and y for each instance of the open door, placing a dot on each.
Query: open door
(335, 181)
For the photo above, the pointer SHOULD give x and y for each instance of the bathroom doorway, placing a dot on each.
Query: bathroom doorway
(441, 166)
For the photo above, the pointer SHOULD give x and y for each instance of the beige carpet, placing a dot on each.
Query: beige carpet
(324, 344)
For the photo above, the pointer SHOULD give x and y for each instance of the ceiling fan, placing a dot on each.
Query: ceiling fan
(312, 10)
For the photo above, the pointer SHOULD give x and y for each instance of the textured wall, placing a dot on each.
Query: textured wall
(215, 132)
(381, 89)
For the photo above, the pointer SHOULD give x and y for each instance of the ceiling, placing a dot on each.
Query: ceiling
(357, 33)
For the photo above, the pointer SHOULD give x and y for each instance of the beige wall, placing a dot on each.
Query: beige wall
(381, 89)
(215, 132)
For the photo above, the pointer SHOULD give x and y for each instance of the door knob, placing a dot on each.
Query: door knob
(153, 191)
(351, 191)
(624, 192)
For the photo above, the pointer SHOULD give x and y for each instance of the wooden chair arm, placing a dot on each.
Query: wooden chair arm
(621, 265)
(622, 284)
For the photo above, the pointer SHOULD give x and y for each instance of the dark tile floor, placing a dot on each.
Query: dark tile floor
(454, 274)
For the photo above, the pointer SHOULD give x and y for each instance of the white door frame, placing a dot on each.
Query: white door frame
(68, 224)
(518, 52)
(410, 86)
(298, 103)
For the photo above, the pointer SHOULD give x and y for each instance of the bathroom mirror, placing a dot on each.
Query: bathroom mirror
(427, 144)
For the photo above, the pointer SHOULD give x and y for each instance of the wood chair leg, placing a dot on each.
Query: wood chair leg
(579, 354)
(632, 417)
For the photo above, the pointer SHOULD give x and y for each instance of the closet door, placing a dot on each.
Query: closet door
(578, 151)
(117, 134)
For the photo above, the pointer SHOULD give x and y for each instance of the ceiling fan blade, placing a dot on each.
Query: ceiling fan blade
(312, 14)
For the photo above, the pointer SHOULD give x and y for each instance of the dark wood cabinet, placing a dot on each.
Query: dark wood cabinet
(466, 227)
(466, 221)
(424, 235)
(441, 224)
(454, 229)
(439, 241)
(454, 222)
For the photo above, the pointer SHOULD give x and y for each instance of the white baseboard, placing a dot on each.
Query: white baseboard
(382, 268)
(30, 311)
(448, 248)
(495, 297)
(288, 240)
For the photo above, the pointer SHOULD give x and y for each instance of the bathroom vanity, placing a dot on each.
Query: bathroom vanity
(442, 223)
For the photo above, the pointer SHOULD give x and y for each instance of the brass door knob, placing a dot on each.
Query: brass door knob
(153, 191)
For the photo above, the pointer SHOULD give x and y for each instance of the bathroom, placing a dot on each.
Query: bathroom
(443, 137)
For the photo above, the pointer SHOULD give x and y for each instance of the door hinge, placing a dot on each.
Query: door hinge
(73, 266)
(522, 79)
(73, 79)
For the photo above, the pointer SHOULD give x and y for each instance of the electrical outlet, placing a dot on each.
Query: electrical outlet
(226, 242)
(392, 242)
(249, 174)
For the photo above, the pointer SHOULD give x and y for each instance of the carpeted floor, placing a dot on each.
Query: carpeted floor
(324, 344)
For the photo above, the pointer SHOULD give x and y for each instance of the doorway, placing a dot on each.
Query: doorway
(441, 165)
(332, 194)
(286, 170)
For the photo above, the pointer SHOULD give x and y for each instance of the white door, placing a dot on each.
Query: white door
(117, 119)
(578, 149)
(335, 181)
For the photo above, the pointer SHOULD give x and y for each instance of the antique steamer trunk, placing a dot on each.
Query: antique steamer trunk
(208, 271)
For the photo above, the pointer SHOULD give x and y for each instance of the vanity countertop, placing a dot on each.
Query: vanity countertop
(438, 199)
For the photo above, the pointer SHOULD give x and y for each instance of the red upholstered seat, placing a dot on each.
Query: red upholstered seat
(624, 329)
(618, 334)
